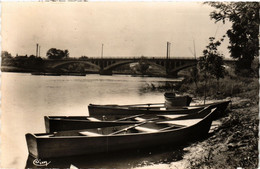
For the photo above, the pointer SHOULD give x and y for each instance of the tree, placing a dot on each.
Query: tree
(66, 53)
(143, 65)
(83, 58)
(211, 63)
(5, 55)
(54, 53)
(194, 73)
(243, 36)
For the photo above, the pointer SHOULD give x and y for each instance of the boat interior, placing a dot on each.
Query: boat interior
(158, 106)
(152, 106)
(147, 126)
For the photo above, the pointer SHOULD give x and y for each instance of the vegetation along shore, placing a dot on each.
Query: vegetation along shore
(235, 142)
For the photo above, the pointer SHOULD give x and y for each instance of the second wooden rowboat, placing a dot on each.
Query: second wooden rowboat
(117, 110)
(63, 123)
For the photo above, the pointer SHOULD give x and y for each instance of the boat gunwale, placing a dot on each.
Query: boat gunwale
(147, 104)
(77, 120)
(186, 108)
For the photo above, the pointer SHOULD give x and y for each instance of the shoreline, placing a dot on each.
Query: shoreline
(233, 144)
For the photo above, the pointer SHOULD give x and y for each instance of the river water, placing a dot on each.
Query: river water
(27, 98)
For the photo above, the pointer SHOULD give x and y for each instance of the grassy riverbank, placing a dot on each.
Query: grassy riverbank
(235, 143)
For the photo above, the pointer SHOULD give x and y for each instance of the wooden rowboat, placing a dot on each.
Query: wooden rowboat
(95, 110)
(156, 108)
(62, 123)
(105, 140)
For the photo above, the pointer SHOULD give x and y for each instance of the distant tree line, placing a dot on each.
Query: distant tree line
(25, 63)
(32, 62)
(54, 53)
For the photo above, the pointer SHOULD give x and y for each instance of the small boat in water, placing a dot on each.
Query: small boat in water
(117, 138)
(171, 100)
(156, 108)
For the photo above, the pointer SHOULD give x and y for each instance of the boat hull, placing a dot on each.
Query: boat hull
(51, 147)
(95, 110)
(119, 111)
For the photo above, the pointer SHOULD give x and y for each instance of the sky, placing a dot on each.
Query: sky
(126, 29)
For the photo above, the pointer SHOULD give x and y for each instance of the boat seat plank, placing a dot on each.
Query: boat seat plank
(143, 105)
(163, 108)
(47, 135)
(144, 129)
(181, 122)
(172, 116)
(140, 119)
(193, 107)
(93, 119)
(87, 133)
(129, 117)
(127, 128)
(170, 127)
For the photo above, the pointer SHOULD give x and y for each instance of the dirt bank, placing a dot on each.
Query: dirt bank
(235, 142)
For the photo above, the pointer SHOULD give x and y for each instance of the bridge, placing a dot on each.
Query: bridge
(105, 66)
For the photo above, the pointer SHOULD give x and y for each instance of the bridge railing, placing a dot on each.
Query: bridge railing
(149, 57)
(141, 57)
(131, 58)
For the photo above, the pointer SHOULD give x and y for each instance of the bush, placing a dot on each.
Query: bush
(228, 87)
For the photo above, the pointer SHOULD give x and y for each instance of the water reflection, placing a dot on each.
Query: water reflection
(116, 160)
(160, 86)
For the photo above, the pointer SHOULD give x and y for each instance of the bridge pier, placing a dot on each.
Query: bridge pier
(105, 72)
